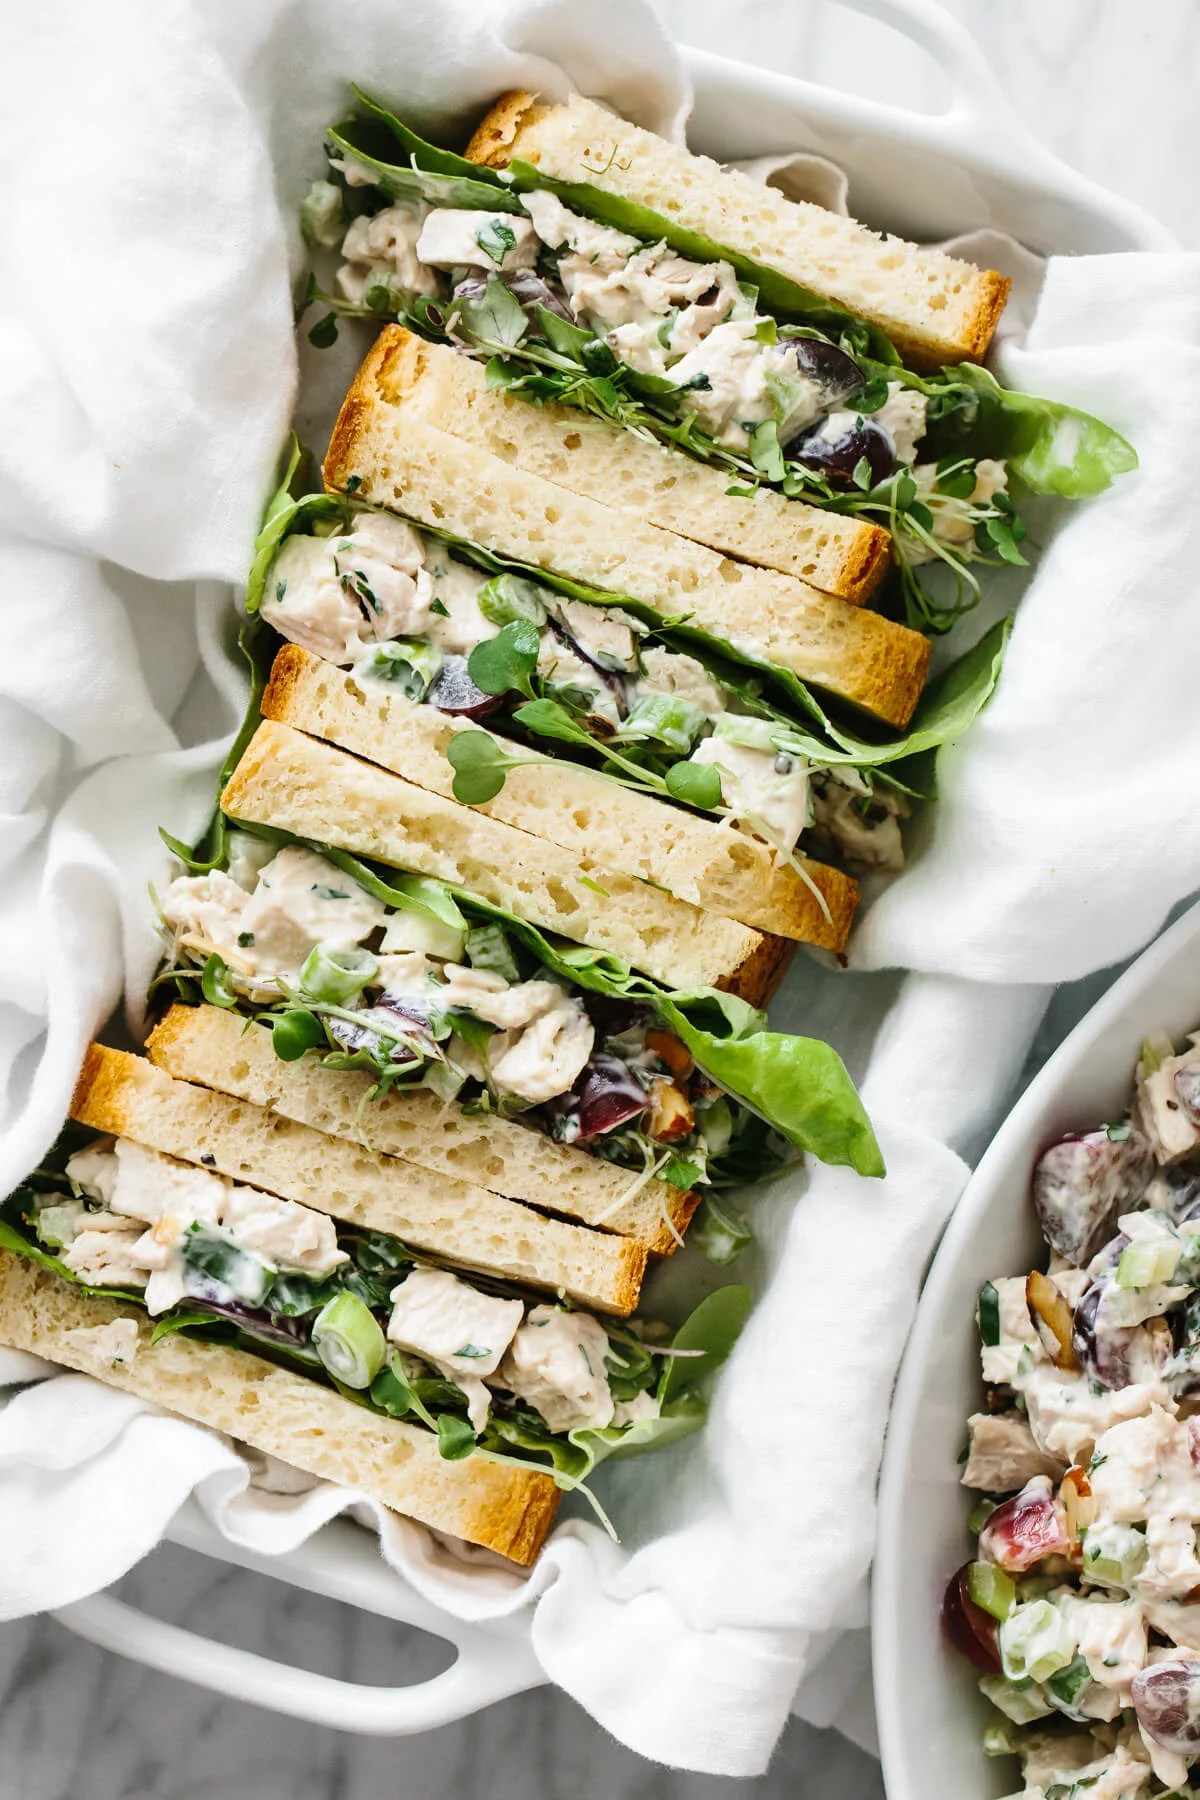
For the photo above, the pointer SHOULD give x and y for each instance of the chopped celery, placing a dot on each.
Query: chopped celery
(1022, 1702)
(980, 1516)
(1147, 1262)
(990, 1588)
(1113, 1554)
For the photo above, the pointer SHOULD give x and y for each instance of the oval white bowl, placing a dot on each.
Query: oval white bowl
(930, 1714)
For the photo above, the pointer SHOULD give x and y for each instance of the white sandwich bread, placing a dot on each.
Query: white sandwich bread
(935, 307)
(296, 783)
(455, 1220)
(699, 860)
(383, 452)
(633, 474)
(505, 1508)
(216, 1048)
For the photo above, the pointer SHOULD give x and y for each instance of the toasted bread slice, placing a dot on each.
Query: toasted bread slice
(297, 783)
(636, 475)
(696, 859)
(453, 1220)
(934, 307)
(507, 1509)
(384, 453)
(218, 1049)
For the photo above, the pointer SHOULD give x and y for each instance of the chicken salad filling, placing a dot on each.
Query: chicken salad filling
(461, 1008)
(1082, 1605)
(626, 317)
(474, 1360)
(397, 608)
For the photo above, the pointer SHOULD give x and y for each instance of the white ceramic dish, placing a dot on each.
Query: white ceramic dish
(928, 176)
(930, 1714)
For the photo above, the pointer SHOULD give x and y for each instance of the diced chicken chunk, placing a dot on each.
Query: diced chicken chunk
(557, 1364)
(548, 1055)
(764, 788)
(453, 237)
(1003, 1454)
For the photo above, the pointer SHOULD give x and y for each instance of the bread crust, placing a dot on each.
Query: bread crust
(936, 308)
(287, 779)
(218, 1049)
(281, 1413)
(456, 1221)
(835, 552)
(381, 451)
(697, 859)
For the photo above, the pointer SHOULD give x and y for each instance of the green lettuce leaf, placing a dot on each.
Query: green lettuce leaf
(427, 173)
(1051, 447)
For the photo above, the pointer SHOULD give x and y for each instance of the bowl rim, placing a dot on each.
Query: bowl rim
(1015, 1138)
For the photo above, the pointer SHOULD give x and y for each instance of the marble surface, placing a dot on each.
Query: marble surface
(1110, 88)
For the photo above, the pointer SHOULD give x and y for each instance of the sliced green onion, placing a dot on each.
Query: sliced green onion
(405, 663)
(1147, 1262)
(349, 1340)
(990, 1588)
(488, 948)
(337, 976)
(1035, 1641)
(751, 734)
(1113, 1554)
(506, 597)
(665, 719)
(989, 1314)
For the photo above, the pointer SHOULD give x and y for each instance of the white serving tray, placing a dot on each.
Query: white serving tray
(928, 176)
(930, 1713)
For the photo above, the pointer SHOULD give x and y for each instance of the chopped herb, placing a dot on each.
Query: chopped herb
(245, 940)
(496, 240)
(473, 1350)
(594, 885)
(436, 606)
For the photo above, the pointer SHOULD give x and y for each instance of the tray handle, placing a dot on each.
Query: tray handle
(494, 1660)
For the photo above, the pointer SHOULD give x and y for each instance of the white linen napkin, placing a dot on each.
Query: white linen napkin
(147, 375)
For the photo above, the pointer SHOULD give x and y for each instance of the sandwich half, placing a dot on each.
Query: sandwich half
(409, 1018)
(934, 307)
(592, 266)
(383, 452)
(579, 720)
(653, 481)
(314, 1331)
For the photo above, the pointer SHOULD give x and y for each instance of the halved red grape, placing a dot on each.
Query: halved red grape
(1026, 1529)
(968, 1627)
(820, 361)
(453, 691)
(1081, 1183)
(605, 1097)
(840, 456)
(1166, 1699)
